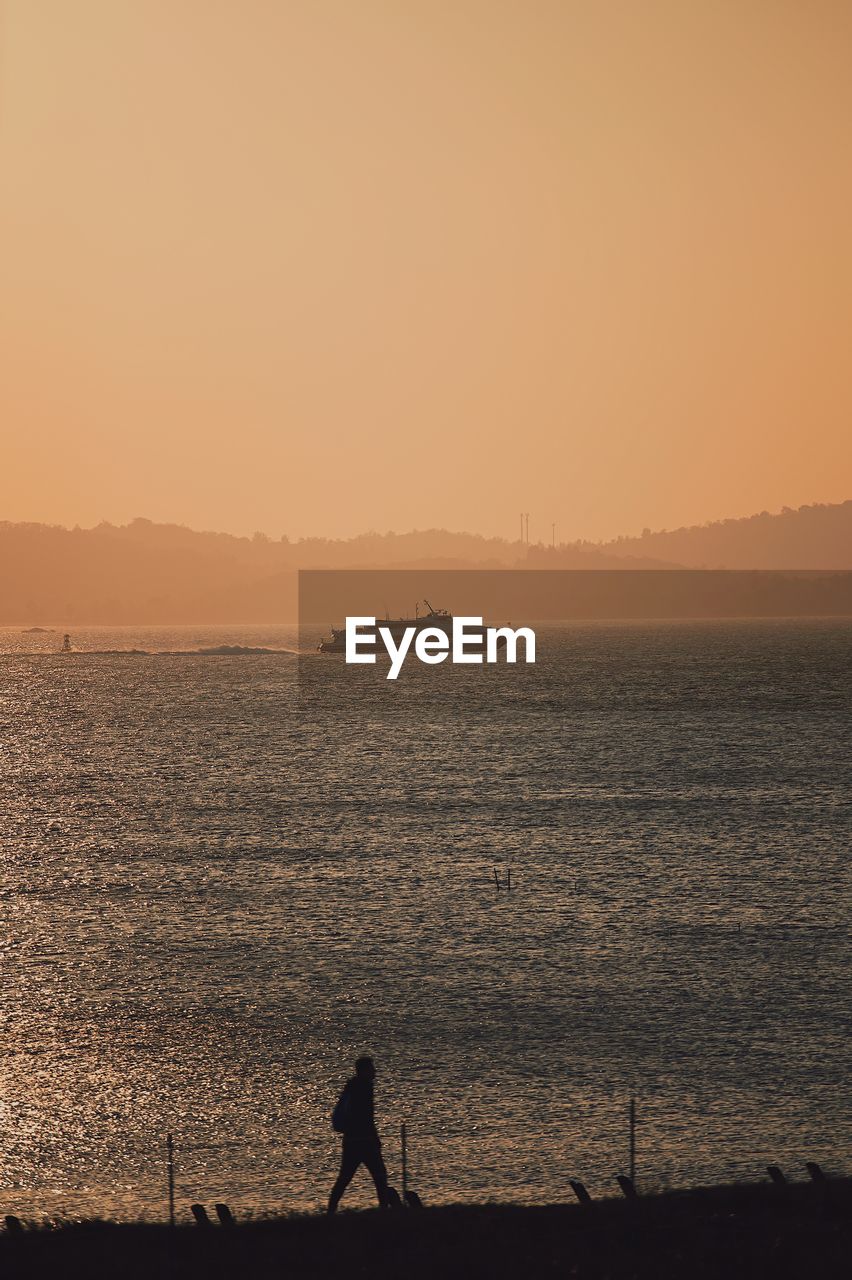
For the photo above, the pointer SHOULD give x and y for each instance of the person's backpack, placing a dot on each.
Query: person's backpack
(340, 1114)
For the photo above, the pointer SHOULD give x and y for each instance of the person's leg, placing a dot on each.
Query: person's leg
(349, 1161)
(373, 1160)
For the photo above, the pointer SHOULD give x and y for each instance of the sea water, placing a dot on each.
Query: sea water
(228, 873)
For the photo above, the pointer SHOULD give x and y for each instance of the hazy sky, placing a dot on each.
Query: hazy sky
(334, 265)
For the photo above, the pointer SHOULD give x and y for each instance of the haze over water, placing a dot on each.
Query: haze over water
(225, 876)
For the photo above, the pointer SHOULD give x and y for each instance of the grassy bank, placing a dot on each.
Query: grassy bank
(724, 1232)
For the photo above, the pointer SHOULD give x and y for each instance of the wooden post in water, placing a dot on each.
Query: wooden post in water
(170, 1169)
(633, 1140)
(580, 1191)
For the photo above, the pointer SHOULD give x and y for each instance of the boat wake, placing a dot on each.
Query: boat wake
(225, 650)
(212, 651)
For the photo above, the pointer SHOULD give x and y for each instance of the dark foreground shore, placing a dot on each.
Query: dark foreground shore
(759, 1231)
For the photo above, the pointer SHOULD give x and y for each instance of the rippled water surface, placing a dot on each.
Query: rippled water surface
(226, 874)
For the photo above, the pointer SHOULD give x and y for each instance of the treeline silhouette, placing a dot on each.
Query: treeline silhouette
(811, 537)
(144, 572)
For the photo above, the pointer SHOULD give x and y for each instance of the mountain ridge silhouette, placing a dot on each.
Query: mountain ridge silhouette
(144, 572)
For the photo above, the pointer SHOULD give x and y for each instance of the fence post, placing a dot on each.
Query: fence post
(404, 1161)
(170, 1169)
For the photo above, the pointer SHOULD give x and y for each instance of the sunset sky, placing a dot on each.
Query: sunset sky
(327, 266)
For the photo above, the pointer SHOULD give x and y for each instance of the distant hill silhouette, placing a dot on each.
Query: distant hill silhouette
(161, 573)
(814, 537)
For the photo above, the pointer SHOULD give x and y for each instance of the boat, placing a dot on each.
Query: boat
(438, 619)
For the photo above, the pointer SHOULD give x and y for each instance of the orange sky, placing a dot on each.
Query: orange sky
(331, 265)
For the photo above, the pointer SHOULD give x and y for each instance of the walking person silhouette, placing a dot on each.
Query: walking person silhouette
(354, 1118)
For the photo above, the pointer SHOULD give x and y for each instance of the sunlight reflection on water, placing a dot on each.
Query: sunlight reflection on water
(224, 876)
